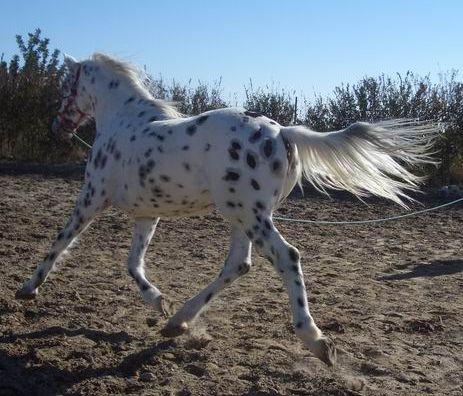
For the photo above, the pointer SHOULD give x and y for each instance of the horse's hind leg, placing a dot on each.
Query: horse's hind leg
(142, 233)
(286, 260)
(237, 264)
(85, 211)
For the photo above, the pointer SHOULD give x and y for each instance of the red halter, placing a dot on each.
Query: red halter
(66, 122)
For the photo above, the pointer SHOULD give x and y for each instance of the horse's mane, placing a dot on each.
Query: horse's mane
(136, 78)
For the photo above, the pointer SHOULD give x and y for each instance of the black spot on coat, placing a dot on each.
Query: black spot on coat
(231, 176)
(251, 160)
(255, 136)
(276, 166)
(236, 145)
(191, 130)
(253, 114)
(267, 224)
(293, 254)
(267, 147)
(233, 154)
(202, 119)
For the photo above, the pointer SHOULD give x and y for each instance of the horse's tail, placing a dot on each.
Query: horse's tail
(365, 158)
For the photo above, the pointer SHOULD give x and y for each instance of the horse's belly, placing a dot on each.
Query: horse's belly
(173, 201)
(174, 209)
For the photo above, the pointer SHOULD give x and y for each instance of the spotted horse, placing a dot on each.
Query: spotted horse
(150, 161)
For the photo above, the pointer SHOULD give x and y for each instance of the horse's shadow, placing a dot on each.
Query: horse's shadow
(94, 335)
(432, 269)
(20, 377)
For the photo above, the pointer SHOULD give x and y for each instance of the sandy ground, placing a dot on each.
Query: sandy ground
(390, 296)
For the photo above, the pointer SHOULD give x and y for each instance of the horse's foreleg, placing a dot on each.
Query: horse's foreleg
(85, 211)
(237, 264)
(142, 233)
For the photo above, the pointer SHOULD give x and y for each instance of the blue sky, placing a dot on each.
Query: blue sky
(306, 46)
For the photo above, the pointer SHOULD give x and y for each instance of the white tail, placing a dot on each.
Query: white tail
(365, 158)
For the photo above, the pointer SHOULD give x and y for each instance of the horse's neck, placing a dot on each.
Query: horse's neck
(123, 101)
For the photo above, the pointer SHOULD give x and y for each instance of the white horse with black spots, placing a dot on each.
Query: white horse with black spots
(151, 162)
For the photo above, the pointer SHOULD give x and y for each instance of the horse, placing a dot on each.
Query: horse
(150, 161)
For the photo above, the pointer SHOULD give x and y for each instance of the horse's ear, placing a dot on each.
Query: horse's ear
(70, 62)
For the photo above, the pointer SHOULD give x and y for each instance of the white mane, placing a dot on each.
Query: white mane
(135, 78)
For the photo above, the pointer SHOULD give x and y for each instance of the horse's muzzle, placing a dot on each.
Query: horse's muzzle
(60, 133)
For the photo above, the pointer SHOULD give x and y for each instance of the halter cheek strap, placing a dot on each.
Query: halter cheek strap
(72, 125)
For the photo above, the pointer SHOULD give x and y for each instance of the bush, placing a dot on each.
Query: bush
(189, 100)
(408, 96)
(274, 103)
(29, 96)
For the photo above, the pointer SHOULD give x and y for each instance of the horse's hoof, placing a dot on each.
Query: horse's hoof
(26, 294)
(325, 350)
(160, 303)
(174, 331)
(166, 307)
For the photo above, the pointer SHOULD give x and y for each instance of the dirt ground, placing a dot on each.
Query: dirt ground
(390, 296)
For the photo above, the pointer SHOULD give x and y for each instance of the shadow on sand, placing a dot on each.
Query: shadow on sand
(21, 374)
(432, 269)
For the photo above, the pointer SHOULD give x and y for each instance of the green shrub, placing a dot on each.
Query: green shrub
(408, 96)
(29, 96)
(276, 104)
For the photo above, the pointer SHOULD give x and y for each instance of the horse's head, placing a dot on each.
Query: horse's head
(76, 105)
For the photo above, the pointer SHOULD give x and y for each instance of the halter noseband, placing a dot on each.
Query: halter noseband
(66, 122)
